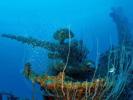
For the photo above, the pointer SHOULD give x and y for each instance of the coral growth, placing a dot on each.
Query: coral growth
(76, 51)
(60, 88)
(63, 34)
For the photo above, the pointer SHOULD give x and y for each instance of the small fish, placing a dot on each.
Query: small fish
(112, 69)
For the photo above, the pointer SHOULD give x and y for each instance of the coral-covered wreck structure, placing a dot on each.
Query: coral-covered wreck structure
(74, 76)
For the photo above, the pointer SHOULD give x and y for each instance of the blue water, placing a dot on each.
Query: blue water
(88, 19)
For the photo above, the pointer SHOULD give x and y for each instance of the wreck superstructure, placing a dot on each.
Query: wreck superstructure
(75, 72)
